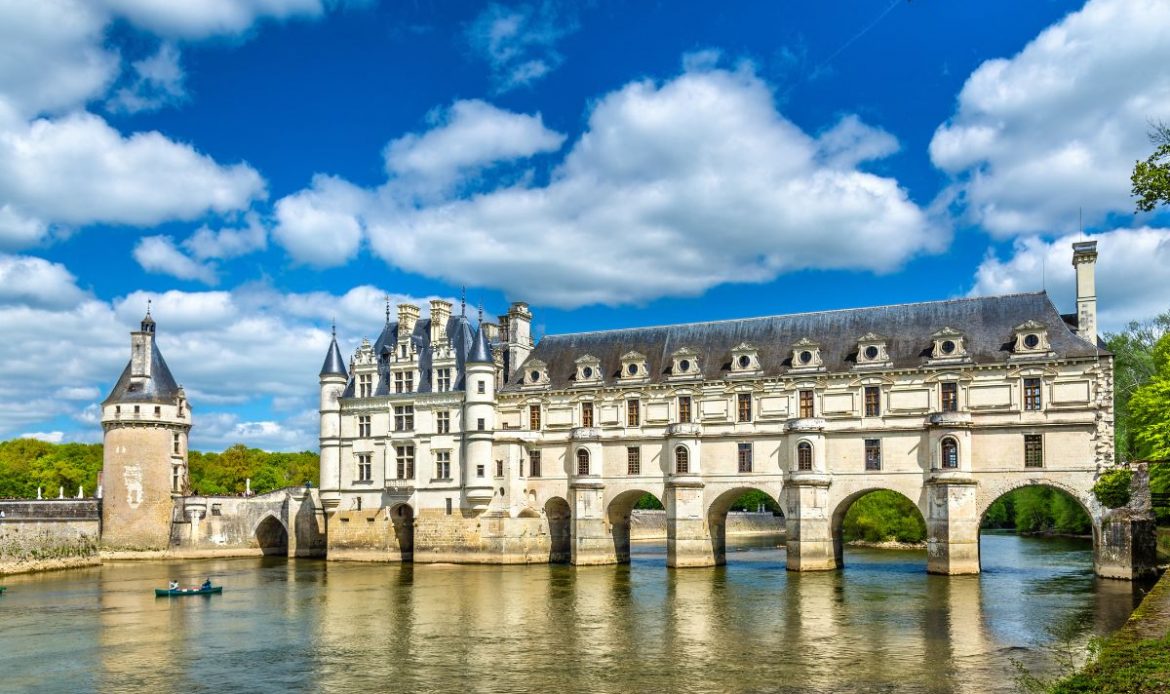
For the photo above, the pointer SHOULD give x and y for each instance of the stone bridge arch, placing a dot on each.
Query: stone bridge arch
(271, 535)
(844, 503)
(721, 499)
(401, 516)
(559, 516)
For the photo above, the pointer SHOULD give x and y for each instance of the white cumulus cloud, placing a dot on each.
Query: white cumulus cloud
(159, 254)
(1058, 126)
(519, 42)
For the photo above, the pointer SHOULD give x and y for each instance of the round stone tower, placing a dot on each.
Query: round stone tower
(333, 380)
(146, 419)
(479, 409)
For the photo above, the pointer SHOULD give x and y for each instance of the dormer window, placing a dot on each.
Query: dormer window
(685, 363)
(872, 350)
(806, 354)
(1031, 338)
(536, 373)
(588, 370)
(948, 343)
(634, 366)
(745, 359)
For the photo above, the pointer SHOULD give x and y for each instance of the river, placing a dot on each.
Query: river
(880, 625)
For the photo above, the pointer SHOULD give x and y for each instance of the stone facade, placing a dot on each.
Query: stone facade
(444, 443)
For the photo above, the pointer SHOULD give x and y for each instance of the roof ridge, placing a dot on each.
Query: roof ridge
(802, 313)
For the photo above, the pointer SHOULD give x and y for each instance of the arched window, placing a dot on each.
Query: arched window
(950, 453)
(804, 456)
(582, 462)
(682, 463)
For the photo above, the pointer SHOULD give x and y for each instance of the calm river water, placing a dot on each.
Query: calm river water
(882, 624)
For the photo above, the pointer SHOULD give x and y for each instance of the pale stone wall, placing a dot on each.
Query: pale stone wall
(651, 525)
(136, 479)
(48, 534)
(283, 522)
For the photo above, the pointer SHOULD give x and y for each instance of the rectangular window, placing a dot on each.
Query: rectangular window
(873, 454)
(806, 403)
(365, 385)
(633, 414)
(157, 411)
(586, 414)
(364, 426)
(873, 401)
(364, 467)
(950, 397)
(684, 409)
(400, 382)
(499, 468)
(745, 457)
(534, 463)
(480, 424)
(443, 465)
(175, 444)
(1032, 399)
(448, 506)
(405, 462)
(404, 418)
(442, 422)
(481, 387)
(1033, 450)
(633, 461)
(479, 471)
(744, 411)
(443, 380)
(534, 417)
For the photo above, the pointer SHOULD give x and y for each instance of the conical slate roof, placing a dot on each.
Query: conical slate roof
(481, 351)
(334, 365)
(159, 388)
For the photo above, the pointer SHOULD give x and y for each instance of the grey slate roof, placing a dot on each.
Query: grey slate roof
(481, 351)
(986, 322)
(460, 333)
(334, 365)
(160, 388)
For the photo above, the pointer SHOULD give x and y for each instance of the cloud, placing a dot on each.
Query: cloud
(159, 254)
(205, 18)
(1059, 125)
(49, 436)
(469, 136)
(851, 142)
(228, 242)
(157, 82)
(673, 188)
(36, 282)
(1129, 263)
(243, 347)
(519, 42)
(318, 225)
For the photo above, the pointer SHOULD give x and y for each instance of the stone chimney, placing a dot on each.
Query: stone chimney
(518, 337)
(407, 317)
(491, 330)
(440, 314)
(142, 350)
(1085, 262)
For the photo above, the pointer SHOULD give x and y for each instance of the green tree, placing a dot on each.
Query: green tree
(1149, 420)
(1133, 366)
(1151, 178)
(881, 516)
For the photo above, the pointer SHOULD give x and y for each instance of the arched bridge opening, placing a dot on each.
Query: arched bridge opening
(559, 516)
(272, 537)
(744, 500)
(1028, 513)
(877, 516)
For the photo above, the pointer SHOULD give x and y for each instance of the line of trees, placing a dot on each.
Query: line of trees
(26, 464)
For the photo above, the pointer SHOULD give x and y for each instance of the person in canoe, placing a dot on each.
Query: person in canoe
(206, 585)
(174, 585)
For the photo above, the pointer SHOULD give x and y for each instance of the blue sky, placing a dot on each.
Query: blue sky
(258, 168)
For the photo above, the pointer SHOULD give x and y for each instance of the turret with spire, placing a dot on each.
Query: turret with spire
(333, 379)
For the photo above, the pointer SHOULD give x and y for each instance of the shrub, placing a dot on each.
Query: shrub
(1112, 488)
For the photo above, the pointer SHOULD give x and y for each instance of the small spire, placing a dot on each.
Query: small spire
(148, 308)
(480, 311)
(463, 301)
(387, 309)
(334, 327)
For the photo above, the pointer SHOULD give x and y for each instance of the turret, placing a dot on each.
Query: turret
(146, 421)
(479, 411)
(1085, 262)
(333, 379)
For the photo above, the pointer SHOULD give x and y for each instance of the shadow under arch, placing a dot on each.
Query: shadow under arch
(618, 514)
(1061, 489)
(271, 536)
(402, 521)
(717, 518)
(559, 515)
(837, 525)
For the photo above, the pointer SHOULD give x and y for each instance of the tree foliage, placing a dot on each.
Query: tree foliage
(1037, 508)
(26, 464)
(1133, 367)
(1151, 178)
(1112, 488)
(881, 516)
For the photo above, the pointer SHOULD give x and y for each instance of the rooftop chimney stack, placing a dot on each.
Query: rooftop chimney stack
(1085, 262)
(407, 317)
(440, 314)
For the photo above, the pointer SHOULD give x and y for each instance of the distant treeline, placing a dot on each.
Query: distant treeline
(26, 464)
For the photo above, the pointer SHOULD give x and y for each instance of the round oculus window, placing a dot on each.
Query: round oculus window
(745, 361)
(587, 372)
(632, 369)
(948, 347)
(806, 357)
(535, 376)
(684, 365)
(871, 352)
(1032, 341)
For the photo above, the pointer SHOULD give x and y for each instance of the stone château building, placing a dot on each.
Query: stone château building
(448, 441)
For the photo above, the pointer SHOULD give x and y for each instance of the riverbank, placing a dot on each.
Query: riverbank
(1136, 658)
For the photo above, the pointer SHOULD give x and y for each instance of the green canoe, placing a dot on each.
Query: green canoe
(2, 589)
(164, 593)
